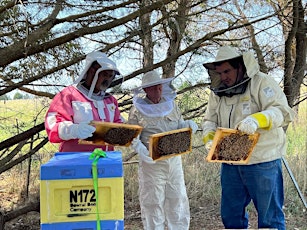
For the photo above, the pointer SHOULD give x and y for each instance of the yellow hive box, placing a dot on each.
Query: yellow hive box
(176, 140)
(115, 134)
(220, 134)
(67, 193)
(74, 200)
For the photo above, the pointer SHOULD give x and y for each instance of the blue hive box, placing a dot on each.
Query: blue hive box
(67, 195)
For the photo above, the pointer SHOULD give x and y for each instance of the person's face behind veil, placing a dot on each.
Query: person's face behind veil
(154, 93)
(104, 80)
(229, 75)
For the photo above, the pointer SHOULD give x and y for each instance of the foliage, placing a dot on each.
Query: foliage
(4, 97)
(297, 131)
(193, 102)
(44, 43)
(18, 96)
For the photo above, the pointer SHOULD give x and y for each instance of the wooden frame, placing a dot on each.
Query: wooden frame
(103, 127)
(219, 135)
(154, 139)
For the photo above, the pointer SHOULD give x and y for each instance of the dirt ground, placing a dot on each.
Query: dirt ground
(201, 219)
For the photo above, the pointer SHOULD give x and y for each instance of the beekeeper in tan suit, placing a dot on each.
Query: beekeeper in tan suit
(162, 191)
(246, 99)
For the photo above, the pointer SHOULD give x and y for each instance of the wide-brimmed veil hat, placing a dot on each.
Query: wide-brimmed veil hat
(225, 53)
(153, 78)
(168, 95)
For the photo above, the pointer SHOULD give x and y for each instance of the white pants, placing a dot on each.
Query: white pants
(162, 195)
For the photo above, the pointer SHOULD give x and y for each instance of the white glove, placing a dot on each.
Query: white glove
(141, 149)
(188, 124)
(208, 145)
(248, 125)
(67, 130)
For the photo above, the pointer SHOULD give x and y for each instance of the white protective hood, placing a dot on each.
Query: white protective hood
(104, 62)
(224, 54)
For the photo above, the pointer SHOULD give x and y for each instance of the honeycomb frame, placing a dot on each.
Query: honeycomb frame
(102, 128)
(220, 134)
(154, 139)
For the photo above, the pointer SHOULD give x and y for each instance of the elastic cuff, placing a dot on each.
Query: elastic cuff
(208, 137)
(264, 122)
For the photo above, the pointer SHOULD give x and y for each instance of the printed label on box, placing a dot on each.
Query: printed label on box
(75, 199)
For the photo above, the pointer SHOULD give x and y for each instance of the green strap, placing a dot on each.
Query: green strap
(96, 154)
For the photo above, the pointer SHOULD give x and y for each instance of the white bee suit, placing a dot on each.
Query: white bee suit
(162, 192)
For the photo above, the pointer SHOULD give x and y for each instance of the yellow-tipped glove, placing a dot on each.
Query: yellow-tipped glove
(251, 123)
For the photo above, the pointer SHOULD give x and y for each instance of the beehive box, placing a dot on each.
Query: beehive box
(232, 146)
(67, 194)
(115, 134)
(169, 144)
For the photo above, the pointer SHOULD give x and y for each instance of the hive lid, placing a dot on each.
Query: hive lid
(76, 165)
(115, 134)
(235, 145)
(177, 137)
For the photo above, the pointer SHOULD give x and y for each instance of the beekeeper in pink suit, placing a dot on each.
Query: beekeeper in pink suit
(71, 110)
(162, 191)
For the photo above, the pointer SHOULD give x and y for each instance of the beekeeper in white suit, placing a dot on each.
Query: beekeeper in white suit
(162, 191)
(71, 110)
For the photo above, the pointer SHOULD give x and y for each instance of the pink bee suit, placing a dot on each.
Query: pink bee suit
(77, 106)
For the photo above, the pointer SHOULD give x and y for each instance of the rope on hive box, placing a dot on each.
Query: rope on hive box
(96, 154)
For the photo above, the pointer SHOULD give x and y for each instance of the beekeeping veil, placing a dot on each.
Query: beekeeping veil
(105, 64)
(165, 106)
(226, 53)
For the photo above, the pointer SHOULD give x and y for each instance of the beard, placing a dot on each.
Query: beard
(105, 84)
